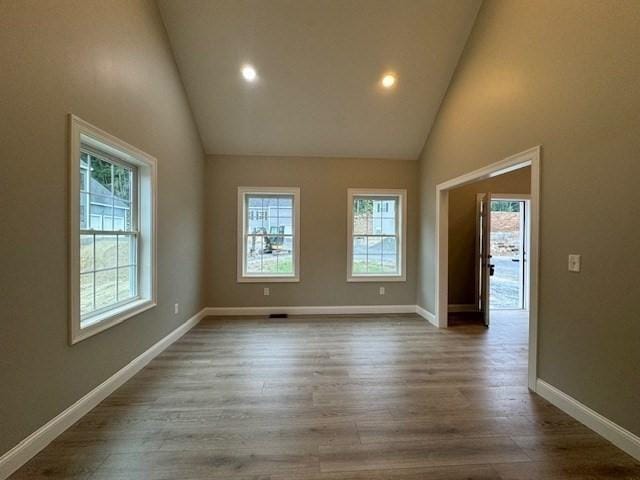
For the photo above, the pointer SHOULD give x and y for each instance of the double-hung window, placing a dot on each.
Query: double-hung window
(112, 230)
(268, 234)
(108, 233)
(377, 231)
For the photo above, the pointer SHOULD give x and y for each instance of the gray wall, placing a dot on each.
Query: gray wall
(462, 230)
(323, 186)
(110, 64)
(564, 75)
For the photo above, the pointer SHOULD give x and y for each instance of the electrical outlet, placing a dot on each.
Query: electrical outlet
(574, 262)
(266, 291)
(176, 309)
(381, 290)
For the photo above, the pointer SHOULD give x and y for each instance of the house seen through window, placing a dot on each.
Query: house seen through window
(377, 224)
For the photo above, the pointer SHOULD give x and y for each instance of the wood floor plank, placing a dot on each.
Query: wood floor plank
(440, 452)
(473, 472)
(355, 397)
(383, 431)
(614, 468)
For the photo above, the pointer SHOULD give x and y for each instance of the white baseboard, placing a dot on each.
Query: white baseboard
(458, 308)
(427, 315)
(621, 438)
(34, 443)
(312, 310)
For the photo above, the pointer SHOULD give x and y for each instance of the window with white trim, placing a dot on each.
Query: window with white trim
(376, 243)
(112, 230)
(268, 234)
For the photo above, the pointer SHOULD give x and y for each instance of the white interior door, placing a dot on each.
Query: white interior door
(485, 268)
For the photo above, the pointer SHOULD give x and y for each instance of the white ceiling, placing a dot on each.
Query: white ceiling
(319, 64)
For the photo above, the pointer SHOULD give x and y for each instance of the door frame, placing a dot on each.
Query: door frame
(527, 158)
(517, 197)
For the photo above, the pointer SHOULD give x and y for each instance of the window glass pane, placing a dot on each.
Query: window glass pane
(388, 226)
(360, 245)
(86, 293)
(389, 264)
(285, 262)
(285, 225)
(285, 207)
(285, 201)
(121, 215)
(270, 222)
(389, 245)
(254, 248)
(362, 216)
(269, 262)
(374, 264)
(270, 203)
(275, 240)
(287, 245)
(254, 201)
(374, 246)
(255, 214)
(285, 212)
(100, 212)
(126, 250)
(378, 208)
(359, 264)
(105, 285)
(105, 256)
(126, 283)
(101, 177)
(122, 182)
(388, 208)
(377, 225)
(86, 253)
(84, 212)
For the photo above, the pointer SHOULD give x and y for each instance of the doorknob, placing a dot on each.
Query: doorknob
(492, 269)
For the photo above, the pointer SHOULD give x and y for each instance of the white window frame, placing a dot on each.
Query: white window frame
(401, 195)
(84, 135)
(243, 276)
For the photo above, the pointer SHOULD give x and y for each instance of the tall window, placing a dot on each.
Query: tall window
(108, 234)
(112, 230)
(376, 244)
(268, 234)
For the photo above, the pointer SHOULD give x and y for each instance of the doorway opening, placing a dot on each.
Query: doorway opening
(507, 251)
(506, 257)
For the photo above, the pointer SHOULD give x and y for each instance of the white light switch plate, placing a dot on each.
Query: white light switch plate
(574, 262)
(176, 309)
(266, 291)
(381, 291)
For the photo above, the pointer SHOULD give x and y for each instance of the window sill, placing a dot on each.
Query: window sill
(377, 278)
(265, 279)
(106, 320)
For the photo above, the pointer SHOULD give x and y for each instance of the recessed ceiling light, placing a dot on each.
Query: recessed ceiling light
(389, 80)
(249, 73)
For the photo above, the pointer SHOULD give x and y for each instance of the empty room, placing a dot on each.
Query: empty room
(319, 239)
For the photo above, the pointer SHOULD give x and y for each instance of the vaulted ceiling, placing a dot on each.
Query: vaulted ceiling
(319, 66)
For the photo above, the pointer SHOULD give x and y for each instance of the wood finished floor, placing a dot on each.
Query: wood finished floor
(333, 398)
